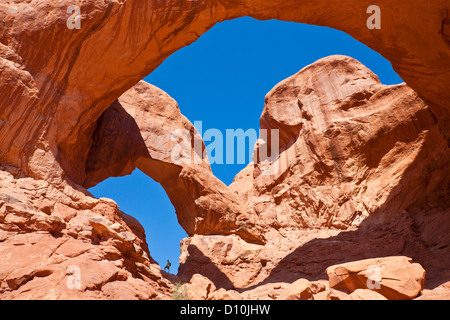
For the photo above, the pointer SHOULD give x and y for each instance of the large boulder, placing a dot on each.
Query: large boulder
(298, 290)
(56, 246)
(395, 278)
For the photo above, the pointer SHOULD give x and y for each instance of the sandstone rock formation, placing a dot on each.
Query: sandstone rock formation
(364, 294)
(200, 288)
(439, 293)
(37, 213)
(395, 278)
(145, 129)
(363, 170)
(345, 187)
(44, 87)
(69, 245)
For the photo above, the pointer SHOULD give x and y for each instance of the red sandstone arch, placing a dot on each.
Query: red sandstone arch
(55, 82)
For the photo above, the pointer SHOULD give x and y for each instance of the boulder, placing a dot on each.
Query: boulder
(200, 287)
(396, 278)
(298, 290)
(364, 294)
(363, 169)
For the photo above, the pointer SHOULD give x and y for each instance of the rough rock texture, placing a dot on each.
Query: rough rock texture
(200, 288)
(145, 129)
(364, 294)
(343, 136)
(439, 293)
(53, 94)
(51, 240)
(363, 170)
(298, 290)
(395, 278)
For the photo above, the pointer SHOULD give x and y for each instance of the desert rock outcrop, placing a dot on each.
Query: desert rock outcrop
(363, 170)
(69, 245)
(145, 129)
(345, 186)
(45, 66)
(395, 278)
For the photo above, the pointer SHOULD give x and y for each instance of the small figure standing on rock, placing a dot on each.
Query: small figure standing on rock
(168, 266)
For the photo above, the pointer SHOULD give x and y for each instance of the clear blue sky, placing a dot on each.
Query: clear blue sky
(221, 80)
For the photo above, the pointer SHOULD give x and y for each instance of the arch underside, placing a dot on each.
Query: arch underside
(70, 96)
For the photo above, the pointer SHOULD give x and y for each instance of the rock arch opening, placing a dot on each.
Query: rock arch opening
(144, 199)
(222, 76)
(68, 122)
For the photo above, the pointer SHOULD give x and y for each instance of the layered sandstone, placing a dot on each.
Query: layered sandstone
(145, 129)
(344, 151)
(69, 245)
(363, 170)
(345, 186)
(395, 278)
(56, 81)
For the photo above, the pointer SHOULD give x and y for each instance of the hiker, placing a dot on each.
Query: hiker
(168, 266)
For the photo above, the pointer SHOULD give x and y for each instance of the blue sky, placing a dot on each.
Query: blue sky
(221, 80)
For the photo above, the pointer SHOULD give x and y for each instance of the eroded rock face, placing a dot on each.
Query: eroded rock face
(365, 294)
(345, 185)
(145, 129)
(68, 245)
(441, 292)
(347, 145)
(343, 154)
(395, 278)
(46, 66)
(363, 171)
